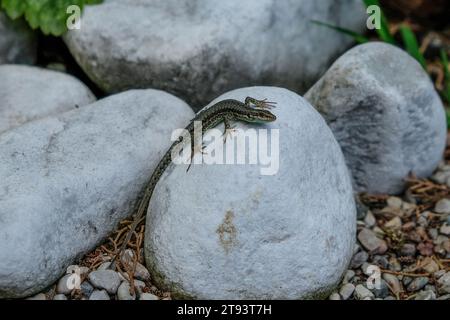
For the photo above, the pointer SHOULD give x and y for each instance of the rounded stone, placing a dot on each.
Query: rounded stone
(66, 181)
(25, 94)
(62, 286)
(200, 49)
(148, 296)
(99, 295)
(230, 232)
(385, 113)
(105, 279)
(59, 297)
(123, 293)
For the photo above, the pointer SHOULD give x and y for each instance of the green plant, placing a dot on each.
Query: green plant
(384, 34)
(412, 45)
(48, 15)
(446, 89)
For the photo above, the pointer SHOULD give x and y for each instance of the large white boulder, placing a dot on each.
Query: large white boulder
(28, 93)
(386, 115)
(67, 180)
(229, 232)
(198, 49)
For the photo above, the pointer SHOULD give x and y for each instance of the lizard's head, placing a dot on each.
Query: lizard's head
(258, 116)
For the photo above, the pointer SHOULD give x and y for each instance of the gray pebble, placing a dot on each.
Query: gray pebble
(86, 288)
(370, 220)
(394, 264)
(382, 291)
(62, 286)
(407, 280)
(347, 291)
(358, 259)
(39, 296)
(444, 283)
(382, 261)
(361, 292)
(393, 282)
(148, 296)
(141, 273)
(442, 206)
(99, 295)
(394, 202)
(425, 295)
(445, 230)
(139, 285)
(104, 266)
(105, 279)
(348, 276)
(123, 293)
(59, 297)
(417, 284)
(408, 250)
(433, 233)
(371, 242)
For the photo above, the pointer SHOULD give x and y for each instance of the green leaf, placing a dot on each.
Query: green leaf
(446, 89)
(49, 16)
(448, 118)
(13, 8)
(411, 45)
(356, 36)
(384, 33)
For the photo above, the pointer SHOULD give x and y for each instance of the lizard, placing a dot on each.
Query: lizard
(225, 111)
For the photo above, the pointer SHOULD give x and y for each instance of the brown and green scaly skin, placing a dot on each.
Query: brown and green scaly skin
(226, 111)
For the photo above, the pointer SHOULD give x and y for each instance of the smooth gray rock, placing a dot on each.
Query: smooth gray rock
(59, 297)
(425, 295)
(443, 206)
(229, 232)
(358, 259)
(99, 295)
(386, 115)
(335, 296)
(17, 41)
(417, 284)
(198, 49)
(148, 296)
(362, 293)
(371, 242)
(382, 291)
(123, 293)
(66, 181)
(86, 288)
(39, 296)
(444, 283)
(347, 291)
(26, 94)
(62, 286)
(105, 279)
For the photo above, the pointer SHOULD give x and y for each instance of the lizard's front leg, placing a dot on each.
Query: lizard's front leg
(194, 149)
(229, 129)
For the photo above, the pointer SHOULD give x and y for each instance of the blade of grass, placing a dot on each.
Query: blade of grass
(356, 36)
(446, 90)
(384, 33)
(448, 117)
(411, 45)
